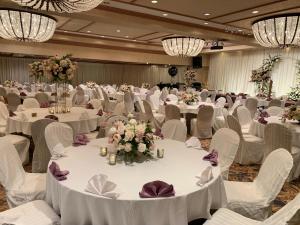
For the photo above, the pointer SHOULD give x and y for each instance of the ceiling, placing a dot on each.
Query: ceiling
(139, 25)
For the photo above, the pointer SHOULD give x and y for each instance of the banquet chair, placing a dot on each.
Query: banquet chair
(3, 92)
(129, 106)
(56, 133)
(229, 101)
(41, 153)
(13, 101)
(175, 130)
(221, 102)
(154, 101)
(279, 136)
(37, 212)
(174, 91)
(108, 105)
(251, 148)
(203, 95)
(213, 96)
(20, 187)
(244, 117)
(221, 121)
(172, 97)
(79, 97)
(172, 112)
(275, 111)
(156, 119)
(275, 102)
(251, 104)
(120, 109)
(254, 199)
(100, 94)
(201, 126)
(226, 142)
(96, 103)
(42, 97)
(164, 94)
(288, 213)
(30, 103)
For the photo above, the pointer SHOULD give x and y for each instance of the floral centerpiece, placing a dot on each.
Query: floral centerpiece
(189, 98)
(294, 94)
(91, 84)
(133, 141)
(146, 85)
(60, 69)
(190, 77)
(124, 88)
(36, 70)
(9, 83)
(293, 113)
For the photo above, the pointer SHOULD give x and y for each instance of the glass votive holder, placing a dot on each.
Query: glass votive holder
(112, 159)
(103, 151)
(34, 114)
(160, 153)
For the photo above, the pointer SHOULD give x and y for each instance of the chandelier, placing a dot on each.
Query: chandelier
(278, 30)
(26, 26)
(183, 46)
(61, 6)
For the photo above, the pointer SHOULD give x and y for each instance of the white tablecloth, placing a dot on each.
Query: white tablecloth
(15, 124)
(258, 129)
(179, 167)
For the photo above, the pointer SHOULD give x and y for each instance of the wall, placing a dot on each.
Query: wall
(231, 71)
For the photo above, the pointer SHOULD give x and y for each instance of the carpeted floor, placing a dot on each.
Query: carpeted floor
(237, 173)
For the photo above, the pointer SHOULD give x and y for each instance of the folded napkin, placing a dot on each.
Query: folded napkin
(51, 117)
(264, 114)
(100, 112)
(57, 173)
(205, 176)
(58, 151)
(89, 106)
(157, 189)
(84, 116)
(100, 185)
(168, 100)
(23, 93)
(80, 139)
(11, 113)
(193, 142)
(212, 157)
(158, 133)
(262, 120)
(45, 105)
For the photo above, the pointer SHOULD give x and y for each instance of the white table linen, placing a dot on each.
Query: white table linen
(79, 125)
(179, 167)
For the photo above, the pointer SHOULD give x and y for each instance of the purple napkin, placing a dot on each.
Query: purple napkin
(157, 189)
(57, 173)
(51, 117)
(23, 94)
(212, 158)
(11, 113)
(264, 114)
(100, 112)
(80, 139)
(168, 100)
(262, 120)
(159, 133)
(89, 106)
(44, 105)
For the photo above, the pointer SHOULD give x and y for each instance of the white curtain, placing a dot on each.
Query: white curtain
(12, 68)
(231, 71)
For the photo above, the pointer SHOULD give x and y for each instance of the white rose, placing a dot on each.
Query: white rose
(128, 147)
(128, 135)
(141, 147)
(112, 131)
(133, 122)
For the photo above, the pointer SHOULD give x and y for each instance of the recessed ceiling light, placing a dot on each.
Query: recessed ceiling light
(154, 1)
(240, 30)
(134, 40)
(165, 14)
(89, 31)
(147, 63)
(65, 31)
(102, 36)
(127, 36)
(206, 14)
(205, 23)
(255, 11)
(118, 31)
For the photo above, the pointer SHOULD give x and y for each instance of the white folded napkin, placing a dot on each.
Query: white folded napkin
(205, 176)
(100, 185)
(84, 115)
(58, 151)
(193, 142)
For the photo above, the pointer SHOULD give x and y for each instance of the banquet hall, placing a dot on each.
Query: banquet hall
(149, 112)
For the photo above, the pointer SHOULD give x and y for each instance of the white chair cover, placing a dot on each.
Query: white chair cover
(30, 103)
(275, 111)
(221, 102)
(172, 97)
(42, 97)
(120, 109)
(229, 101)
(156, 119)
(174, 129)
(204, 95)
(253, 199)
(226, 142)
(213, 96)
(201, 126)
(244, 117)
(3, 92)
(140, 105)
(129, 106)
(56, 133)
(96, 103)
(164, 94)
(13, 100)
(251, 104)
(154, 100)
(32, 213)
(4, 114)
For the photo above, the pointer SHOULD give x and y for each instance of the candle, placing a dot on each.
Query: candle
(160, 153)
(112, 159)
(103, 151)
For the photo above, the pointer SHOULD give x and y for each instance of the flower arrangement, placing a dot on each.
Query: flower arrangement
(124, 88)
(294, 94)
(91, 84)
(9, 83)
(36, 70)
(60, 69)
(189, 77)
(146, 85)
(133, 140)
(189, 98)
(293, 113)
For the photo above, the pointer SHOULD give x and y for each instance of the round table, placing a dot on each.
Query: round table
(258, 129)
(179, 167)
(79, 125)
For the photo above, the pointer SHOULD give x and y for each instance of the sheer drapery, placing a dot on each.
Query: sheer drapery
(231, 71)
(12, 68)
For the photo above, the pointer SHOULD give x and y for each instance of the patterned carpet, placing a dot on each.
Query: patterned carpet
(237, 173)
